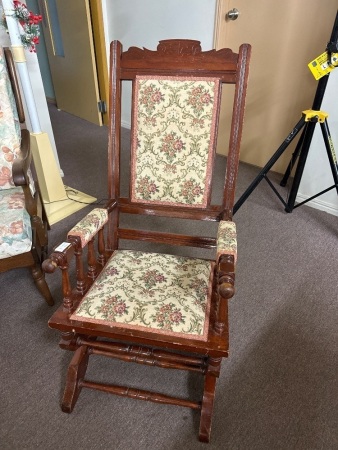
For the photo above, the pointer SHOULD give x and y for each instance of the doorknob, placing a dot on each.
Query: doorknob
(232, 14)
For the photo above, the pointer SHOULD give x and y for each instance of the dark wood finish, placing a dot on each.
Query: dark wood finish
(174, 58)
(14, 83)
(75, 376)
(32, 259)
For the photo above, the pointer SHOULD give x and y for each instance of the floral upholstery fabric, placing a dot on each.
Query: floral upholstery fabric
(10, 134)
(173, 139)
(89, 225)
(15, 224)
(150, 291)
(227, 239)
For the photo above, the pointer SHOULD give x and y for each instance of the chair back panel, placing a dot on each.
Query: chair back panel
(173, 140)
(176, 94)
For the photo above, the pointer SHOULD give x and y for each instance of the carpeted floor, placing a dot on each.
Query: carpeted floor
(277, 390)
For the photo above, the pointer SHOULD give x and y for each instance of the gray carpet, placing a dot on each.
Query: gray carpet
(277, 390)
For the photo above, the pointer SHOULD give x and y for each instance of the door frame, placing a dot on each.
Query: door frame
(218, 19)
(100, 52)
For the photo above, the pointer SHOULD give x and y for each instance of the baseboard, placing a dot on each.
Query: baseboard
(125, 124)
(51, 100)
(330, 208)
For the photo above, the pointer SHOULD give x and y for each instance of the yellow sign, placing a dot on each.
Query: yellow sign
(321, 65)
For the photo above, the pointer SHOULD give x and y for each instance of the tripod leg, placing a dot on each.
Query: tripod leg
(330, 151)
(293, 160)
(269, 164)
(310, 128)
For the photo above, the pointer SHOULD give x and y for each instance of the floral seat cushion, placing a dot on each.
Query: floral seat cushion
(15, 224)
(149, 291)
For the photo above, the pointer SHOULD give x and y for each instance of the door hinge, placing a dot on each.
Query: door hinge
(102, 106)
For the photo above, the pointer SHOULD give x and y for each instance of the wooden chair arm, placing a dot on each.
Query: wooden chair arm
(226, 258)
(40, 229)
(23, 162)
(60, 257)
(226, 239)
(83, 234)
(225, 270)
(84, 231)
(226, 276)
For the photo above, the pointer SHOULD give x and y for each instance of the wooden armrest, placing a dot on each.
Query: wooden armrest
(23, 162)
(82, 234)
(226, 276)
(225, 273)
(60, 257)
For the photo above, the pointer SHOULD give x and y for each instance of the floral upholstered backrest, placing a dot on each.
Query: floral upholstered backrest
(10, 134)
(173, 139)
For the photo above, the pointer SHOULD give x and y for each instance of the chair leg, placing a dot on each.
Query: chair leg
(41, 284)
(208, 398)
(75, 375)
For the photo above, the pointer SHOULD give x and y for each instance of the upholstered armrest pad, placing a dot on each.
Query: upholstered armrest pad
(89, 225)
(226, 239)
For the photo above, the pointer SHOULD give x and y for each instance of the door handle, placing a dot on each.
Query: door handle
(232, 14)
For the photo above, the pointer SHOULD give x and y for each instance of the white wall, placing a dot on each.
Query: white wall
(317, 174)
(143, 23)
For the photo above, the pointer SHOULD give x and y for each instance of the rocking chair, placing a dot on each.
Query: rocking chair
(133, 304)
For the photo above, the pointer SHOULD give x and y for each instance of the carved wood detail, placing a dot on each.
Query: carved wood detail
(182, 51)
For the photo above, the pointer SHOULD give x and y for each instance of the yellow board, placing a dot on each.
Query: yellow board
(64, 207)
(59, 201)
(321, 66)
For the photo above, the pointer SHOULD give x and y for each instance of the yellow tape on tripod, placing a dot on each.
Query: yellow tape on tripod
(321, 66)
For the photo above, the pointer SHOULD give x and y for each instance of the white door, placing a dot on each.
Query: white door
(285, 36)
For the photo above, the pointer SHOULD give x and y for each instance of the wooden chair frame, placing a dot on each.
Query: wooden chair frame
(33, 204)
(181, 58)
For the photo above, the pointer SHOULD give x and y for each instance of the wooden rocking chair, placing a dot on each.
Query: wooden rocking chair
(160, 309)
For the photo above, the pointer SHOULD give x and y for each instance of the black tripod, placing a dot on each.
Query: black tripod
(308, 123)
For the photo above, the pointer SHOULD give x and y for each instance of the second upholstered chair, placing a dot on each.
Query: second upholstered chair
(23, 224)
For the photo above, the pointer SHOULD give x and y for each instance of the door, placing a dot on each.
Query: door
(67, 28)
(285, 36)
